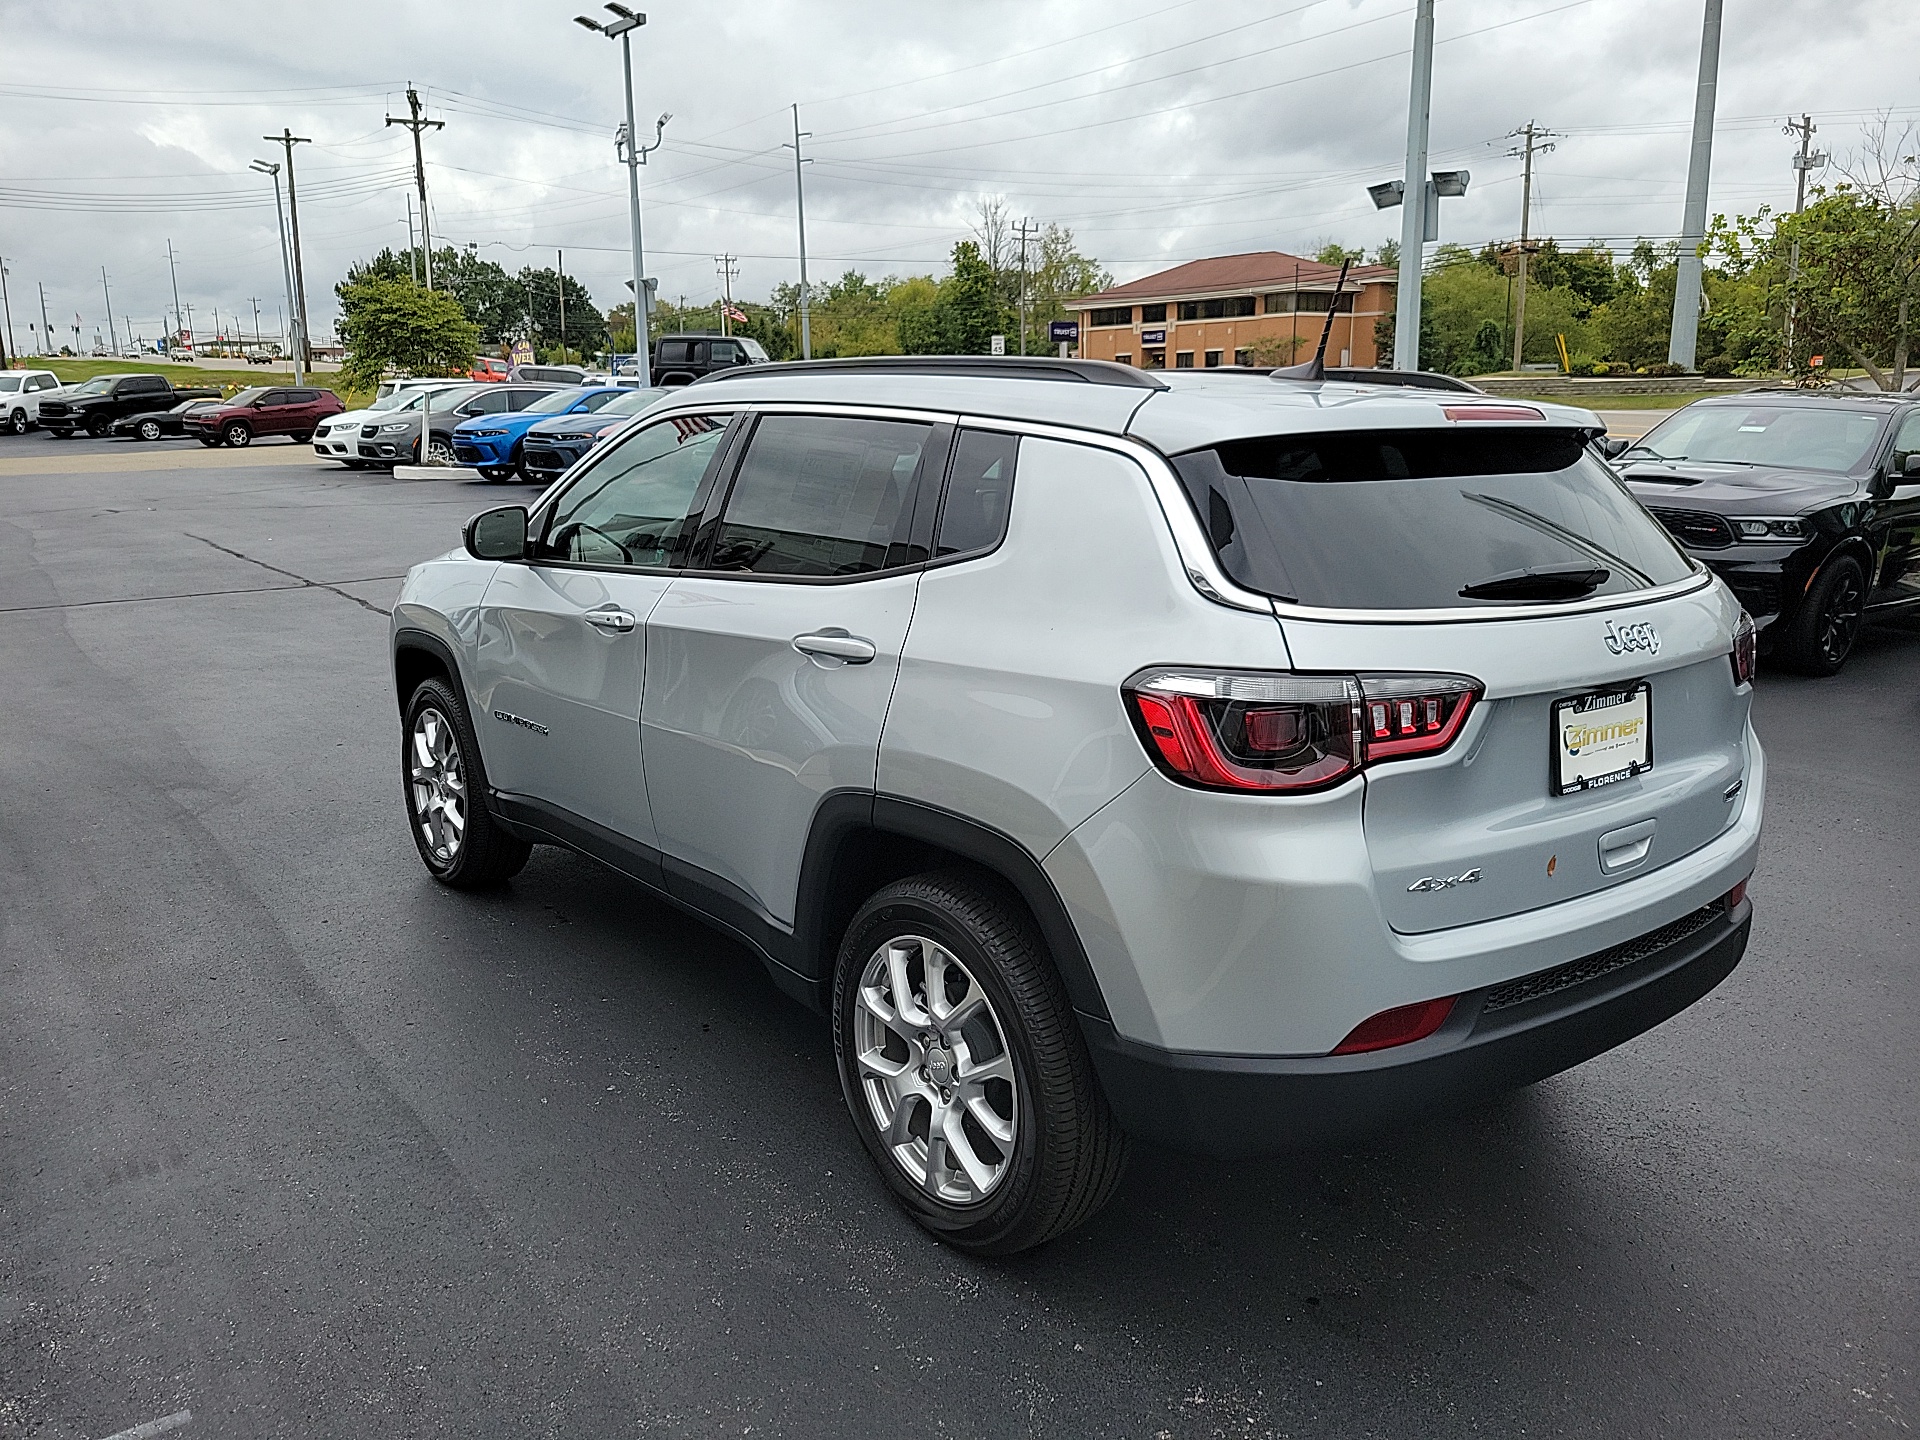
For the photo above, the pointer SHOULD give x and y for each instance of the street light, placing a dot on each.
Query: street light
(267, 167)
(621, 28)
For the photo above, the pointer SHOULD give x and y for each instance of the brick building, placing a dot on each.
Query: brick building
(1218, 311)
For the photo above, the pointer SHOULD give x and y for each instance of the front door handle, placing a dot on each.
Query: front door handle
(618, 620)
(836, 644)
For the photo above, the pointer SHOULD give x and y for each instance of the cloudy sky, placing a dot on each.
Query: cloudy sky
(1157, 130)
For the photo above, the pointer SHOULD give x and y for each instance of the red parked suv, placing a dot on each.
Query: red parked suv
(487, 367)
(260, 411)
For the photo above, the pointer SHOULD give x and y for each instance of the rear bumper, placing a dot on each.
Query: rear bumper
(1234, 1104)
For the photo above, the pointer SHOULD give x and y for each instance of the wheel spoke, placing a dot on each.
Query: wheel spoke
(936, 1158)
(876, 1064)
(959, 1148)
(990, 1119)
(1000, 1067)
(904, 1003)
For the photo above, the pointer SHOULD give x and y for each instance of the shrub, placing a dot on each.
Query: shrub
(1663, 368)
(1716, 367)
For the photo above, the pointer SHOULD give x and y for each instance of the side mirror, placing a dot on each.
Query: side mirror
(1614, 446)
(498, 534)
(259, 405)
(1912, 466)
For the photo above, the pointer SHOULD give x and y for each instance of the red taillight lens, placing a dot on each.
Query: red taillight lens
(1736, 895)
(1242, 730)
(1746, 650)
(1400, 1026)
(1249, 732)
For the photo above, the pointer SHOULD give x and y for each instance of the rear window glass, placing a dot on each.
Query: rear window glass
(1425, 519)
(1801, 437)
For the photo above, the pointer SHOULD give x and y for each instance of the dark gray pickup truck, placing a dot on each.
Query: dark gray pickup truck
(96, 404)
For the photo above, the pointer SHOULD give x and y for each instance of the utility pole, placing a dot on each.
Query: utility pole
(1683, 344)
(46, 329)
(533, 329)
(1535, 142)
(113, 336)
(560, 268)
(413, 255)
(1026, 230)
(1804, 161)
(416, 124)
(1413, 214)
(256, 318)
(6, 302)
(303, 350)
(800, 209)
(175, 273)
(727, 269)
(294, 346)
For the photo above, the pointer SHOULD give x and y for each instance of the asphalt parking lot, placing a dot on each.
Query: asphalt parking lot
(298, 1141)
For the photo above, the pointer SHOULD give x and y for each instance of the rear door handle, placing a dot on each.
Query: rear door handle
(611, 619)
(835, 643)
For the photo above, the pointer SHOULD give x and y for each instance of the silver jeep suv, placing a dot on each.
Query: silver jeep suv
(1223, 760)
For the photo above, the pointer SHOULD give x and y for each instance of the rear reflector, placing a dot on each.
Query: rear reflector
(1399, 1026)
(1736, 895)
(1502, 413)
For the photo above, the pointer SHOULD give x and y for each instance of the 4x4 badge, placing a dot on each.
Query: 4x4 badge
(1637, 636)
(1431, 883)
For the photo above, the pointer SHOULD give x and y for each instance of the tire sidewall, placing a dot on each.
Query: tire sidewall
(1805, 652)
(889, 915)
(237, 436)
(438, 695)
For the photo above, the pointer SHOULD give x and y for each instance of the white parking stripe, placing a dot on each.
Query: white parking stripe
(155, 1427)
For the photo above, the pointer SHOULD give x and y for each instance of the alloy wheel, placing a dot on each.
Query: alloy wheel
(149, 429)
(440, 453)
(935, 1070)
(238, 436)
(1840, 618)
(437, 783)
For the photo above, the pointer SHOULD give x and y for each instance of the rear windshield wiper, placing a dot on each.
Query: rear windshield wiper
(1539, 582)
(1555, 529)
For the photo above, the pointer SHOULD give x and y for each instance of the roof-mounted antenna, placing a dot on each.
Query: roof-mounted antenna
(1316, 368)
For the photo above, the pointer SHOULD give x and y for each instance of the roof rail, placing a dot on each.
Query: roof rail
(991, 367)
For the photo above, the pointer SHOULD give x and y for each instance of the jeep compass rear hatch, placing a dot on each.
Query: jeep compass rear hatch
(1606, 737)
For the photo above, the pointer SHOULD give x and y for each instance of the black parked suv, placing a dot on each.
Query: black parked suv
(682, 359)
(1807, 503)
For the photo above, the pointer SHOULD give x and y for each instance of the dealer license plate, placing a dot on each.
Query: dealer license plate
(1602, 738)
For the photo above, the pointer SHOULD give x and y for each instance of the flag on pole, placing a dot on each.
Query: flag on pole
(736, 314)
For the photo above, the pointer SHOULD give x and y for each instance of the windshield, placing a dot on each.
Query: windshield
(559, 402)
(1425, 519)
(1800, 437)
(97, 386)
(632, 402)
(247, 397)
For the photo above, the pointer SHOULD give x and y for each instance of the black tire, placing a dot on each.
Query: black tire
(211, 442)
(1821, 633)
(99, 429)
(148, 429)
(58, 433)
(497, 473)
(237, 435)
(17, 423)
(305, 437)
(485, 854)
(1068, 1153)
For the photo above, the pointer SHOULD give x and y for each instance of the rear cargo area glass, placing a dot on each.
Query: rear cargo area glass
(1411, 519)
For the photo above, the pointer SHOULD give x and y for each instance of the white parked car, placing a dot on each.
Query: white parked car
(21, 392)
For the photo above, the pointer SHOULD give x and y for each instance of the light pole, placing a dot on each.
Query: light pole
(1406, 333)
(621, 27)
(1419, 224)
(1684, 339)
(267, 167)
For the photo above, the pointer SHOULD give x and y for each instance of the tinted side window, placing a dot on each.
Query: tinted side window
(1907, 441)
(594, 402)
(523, 398)
(674, 352)
(492, 402)
(630, 507)
(820, 495)
(146, 382)
(274, 397)
(979, 493)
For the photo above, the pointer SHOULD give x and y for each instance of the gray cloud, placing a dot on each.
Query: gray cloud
(1158, 131)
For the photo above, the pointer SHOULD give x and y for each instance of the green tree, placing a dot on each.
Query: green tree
(1333, 253)
(391, 324)
(540, 290)
(1058, 273)
(969, 310)
(915, 306)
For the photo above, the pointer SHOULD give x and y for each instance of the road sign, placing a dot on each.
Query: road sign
(998, 346)
(1059, 330)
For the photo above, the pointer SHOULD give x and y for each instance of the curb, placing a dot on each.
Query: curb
(435, 472)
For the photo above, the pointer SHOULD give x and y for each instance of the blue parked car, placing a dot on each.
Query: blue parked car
(552, 446)
(492, 444)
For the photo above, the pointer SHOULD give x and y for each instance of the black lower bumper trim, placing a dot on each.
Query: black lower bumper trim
(1231, 1104)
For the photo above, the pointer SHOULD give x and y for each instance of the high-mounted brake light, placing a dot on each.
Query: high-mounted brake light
(1505, 414)
(1746, 650)
(1244, 730)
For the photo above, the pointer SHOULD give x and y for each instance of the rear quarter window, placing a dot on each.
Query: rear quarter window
(1425, 519)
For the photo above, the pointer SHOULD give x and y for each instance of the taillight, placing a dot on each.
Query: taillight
(1746, 650)
(1240, 730)
(1401, 1025)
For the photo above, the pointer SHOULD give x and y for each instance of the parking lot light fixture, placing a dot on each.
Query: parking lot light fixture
(267, 167)
(621, 28)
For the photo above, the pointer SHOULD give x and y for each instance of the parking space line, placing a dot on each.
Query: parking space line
(155, 1427)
